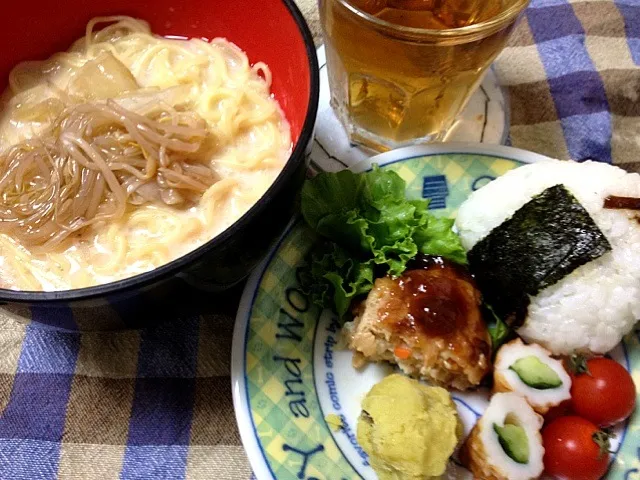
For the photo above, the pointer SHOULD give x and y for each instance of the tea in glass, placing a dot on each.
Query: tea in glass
(400, 71)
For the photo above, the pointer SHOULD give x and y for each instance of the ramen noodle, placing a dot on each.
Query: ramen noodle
(128, 151)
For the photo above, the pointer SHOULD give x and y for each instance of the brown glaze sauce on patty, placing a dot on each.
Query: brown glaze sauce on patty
(436, 303)
(436, 299)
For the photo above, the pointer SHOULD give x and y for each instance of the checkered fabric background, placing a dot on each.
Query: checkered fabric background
(156, 404)
(573, 74)
(153, 404)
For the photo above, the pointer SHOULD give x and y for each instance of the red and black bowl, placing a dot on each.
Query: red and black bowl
(272, 31)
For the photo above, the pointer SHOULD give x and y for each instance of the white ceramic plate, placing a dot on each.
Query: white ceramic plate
(287, 373)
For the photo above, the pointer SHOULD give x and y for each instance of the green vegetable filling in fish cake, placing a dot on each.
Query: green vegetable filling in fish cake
(544, 241)
(513, 440)
(535, 373)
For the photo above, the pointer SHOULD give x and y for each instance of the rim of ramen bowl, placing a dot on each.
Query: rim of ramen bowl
(476, 30)
(171, 268)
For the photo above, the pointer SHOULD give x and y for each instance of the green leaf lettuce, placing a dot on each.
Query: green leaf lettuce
(369, 229)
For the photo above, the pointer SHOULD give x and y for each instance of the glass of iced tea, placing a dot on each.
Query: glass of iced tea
(400, 71)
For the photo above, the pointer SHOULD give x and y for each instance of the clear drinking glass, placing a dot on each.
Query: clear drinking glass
(400, 71)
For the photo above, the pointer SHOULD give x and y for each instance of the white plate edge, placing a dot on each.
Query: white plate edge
(241, 408)
(406, 153)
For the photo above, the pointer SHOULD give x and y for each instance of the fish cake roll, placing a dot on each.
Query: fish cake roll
(531, 371)
(505, 443)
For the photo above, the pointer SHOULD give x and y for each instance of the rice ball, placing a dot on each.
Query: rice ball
(591, 309)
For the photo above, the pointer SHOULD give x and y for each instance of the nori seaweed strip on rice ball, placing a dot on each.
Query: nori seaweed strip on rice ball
(585, 296)
(545, 240)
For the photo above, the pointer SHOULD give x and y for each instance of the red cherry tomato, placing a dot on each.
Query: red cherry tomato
(574, 449)
(561, 410)
(605, 394)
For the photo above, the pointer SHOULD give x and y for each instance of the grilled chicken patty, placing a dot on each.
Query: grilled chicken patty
(428, 321)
